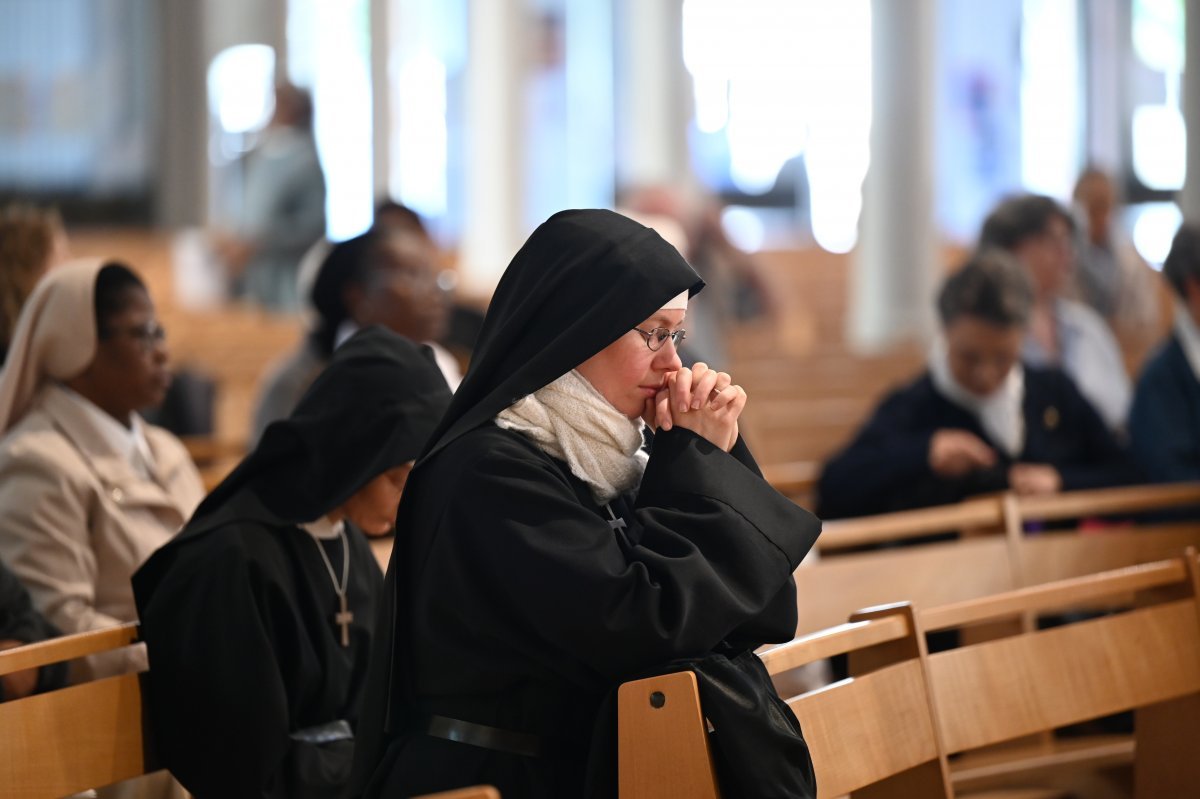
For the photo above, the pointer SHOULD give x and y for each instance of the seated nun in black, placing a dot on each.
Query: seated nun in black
(541, 559)
(259, 616)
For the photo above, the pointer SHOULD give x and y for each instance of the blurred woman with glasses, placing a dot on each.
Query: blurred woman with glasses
(87, 489)
(543, 555)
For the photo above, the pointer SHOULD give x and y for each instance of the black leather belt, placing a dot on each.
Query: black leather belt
(513, 743)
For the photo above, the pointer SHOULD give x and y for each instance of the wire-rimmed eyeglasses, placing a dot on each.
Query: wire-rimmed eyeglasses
(148, 334)
(657, 337)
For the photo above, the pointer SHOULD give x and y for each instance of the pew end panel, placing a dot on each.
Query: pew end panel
(662, 740)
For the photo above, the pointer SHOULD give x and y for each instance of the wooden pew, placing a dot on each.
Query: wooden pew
(840, 582)
(1058, 554)
(994, 555)
(76, 738)
(796, 480)
(1146, 659)
(873, 734)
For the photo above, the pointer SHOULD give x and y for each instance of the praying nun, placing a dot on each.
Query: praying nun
(259, 616)
(542, 557)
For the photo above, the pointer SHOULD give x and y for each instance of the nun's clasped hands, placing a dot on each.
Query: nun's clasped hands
(702, 400)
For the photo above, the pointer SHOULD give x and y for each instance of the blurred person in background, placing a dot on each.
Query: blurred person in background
(738, 289)
(1061, 332)
(87, 489)
(31, 241)
(283, 207)
(387, 276)
(1112, 278)
(1164, 424)
(979, 420)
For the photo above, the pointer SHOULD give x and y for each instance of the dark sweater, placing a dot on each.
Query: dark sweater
(1164, 423)
(886, 467)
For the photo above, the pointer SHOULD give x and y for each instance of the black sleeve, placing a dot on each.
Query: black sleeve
(717, 550)
(19, 621)
(1159, 415)
(218, 629)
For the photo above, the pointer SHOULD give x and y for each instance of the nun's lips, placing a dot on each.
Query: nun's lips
(650, 391)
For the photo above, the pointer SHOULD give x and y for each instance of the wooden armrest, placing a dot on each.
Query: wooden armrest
(833, 641)
(1056, 596)
(1128, 499)
(67, 647)
(971, 513)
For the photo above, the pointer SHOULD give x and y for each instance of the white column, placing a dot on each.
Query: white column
(896, 263)
(493, 141)
(591, 135)
(380, 97)
(654, 94)
(1105, 24)
(182, 196)
(1190, 196)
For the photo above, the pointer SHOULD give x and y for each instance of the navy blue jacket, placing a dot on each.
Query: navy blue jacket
(886, 467)
(1164, 423)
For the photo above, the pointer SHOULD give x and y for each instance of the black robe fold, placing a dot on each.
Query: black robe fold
(513, 601)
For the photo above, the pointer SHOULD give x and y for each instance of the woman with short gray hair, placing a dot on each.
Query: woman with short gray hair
(979, 419)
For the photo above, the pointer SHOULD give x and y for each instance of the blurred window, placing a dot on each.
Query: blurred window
(782, 92)
(77, 89)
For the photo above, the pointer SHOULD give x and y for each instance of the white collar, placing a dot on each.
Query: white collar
(1000, 414)
(345, 330)
(324, 529)
(128, 442)
(1189, 336)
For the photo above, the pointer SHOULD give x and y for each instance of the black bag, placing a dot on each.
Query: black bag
(756, 742)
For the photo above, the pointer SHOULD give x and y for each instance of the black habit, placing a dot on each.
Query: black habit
(519, 601)
(252, 692)
(886, 466)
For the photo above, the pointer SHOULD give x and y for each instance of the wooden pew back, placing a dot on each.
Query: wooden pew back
(76, 738)
(995, 553)
(1145, 659)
